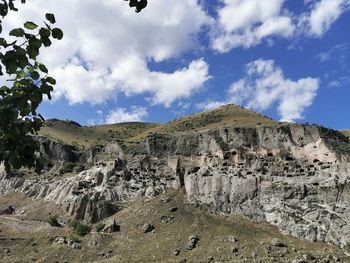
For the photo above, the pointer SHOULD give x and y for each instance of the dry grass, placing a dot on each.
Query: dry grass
(83, 136)
(132, 245)
(226, 116)
(346, 133)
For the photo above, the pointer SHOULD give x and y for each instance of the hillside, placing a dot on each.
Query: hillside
(198, 180)
(220, 238)
(346, 133)
(85, 136)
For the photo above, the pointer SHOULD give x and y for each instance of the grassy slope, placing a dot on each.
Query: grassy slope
(346, 133)
(132, 245)
(226, 116)
(71, 133)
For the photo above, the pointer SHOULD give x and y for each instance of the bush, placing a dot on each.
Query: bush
(74, 238)
(67, 168)
(79, 228)
(53, 221)
(99, 227)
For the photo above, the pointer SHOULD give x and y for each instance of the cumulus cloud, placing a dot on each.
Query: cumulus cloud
(107, 48)
(247, 23)
(265, 85)
(324, 14)
(120, 115)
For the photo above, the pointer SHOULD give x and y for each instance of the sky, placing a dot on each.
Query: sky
(288, 59)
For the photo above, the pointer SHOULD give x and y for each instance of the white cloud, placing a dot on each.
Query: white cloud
(120, 115)
(339, 52)
(324, 14)
(264, 86)
(247, 23)
(107, 47)
(334, 84)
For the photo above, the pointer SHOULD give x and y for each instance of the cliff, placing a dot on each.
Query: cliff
(293, 176)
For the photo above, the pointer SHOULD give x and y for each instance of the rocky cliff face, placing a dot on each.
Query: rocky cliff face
(293, 176)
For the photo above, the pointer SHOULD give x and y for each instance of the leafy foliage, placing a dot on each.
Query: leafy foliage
(53, 221)
(99, 227)
(28, 82)
(138, 4)
(67, 168)
(79, 228)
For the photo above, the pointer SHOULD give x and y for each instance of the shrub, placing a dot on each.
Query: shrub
(53, 221)
(67, 168)
(99, 227)
(79, 228)
(74, 238)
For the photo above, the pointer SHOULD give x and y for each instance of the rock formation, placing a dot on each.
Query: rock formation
(293, 176)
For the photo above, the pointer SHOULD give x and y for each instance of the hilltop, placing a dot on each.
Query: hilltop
(231, 115)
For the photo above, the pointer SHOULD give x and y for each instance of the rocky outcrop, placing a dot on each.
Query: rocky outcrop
(293, 176)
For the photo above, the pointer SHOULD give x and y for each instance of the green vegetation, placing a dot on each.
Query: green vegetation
(79, 228)
(67, 132)
(53, 221)
(28, 83)
(67, 168)
(74, 238)
(99, 227)
(227, 116)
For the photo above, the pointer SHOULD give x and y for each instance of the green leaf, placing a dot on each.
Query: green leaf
(44, 32)
(33, 52)
(22, 61)
(30, 25)
(3, 42)
(51, 80)
(50, 18)
(43, 68)
(46, 41)
(33, 41)
(57, 33)
(46, 89)
(17, 32)
(35, 75)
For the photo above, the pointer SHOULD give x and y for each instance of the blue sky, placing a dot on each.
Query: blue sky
(288, 59)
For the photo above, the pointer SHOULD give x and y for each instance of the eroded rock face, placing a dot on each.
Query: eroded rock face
(295, 177)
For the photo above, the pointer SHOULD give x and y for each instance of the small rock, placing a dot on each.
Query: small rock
(167, 219)
(7, 251)
(111, 227)
(177, 252)
(61, 240)
(166, 200)
(76, 246)
(101, 254)
(234, 251)
(33, 243)
(193, 242)
(277, 243)
(232, 239)
(147, 228)
(210, 259)
(298, 261)
(8, 211)
(173, 209)
(254, 254)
